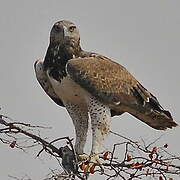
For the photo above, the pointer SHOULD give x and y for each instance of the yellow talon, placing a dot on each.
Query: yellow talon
(83, 157)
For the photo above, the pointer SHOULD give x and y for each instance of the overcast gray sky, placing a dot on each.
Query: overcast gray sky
(141, 35)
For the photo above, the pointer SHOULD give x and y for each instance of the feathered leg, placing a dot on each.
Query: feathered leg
(100, 120)
(79, 115)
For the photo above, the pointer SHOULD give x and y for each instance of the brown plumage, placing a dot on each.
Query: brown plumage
(113, 85)
(93, 88)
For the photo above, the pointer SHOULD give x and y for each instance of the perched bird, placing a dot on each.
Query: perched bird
(88, 83)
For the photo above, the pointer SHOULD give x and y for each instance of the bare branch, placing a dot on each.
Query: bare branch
(137, 161)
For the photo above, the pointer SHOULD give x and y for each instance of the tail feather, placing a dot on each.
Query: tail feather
(160, 120)
(149, 110)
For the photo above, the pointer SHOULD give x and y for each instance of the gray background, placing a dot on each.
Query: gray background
(141, 35)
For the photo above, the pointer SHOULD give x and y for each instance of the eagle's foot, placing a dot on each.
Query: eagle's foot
(91, 163)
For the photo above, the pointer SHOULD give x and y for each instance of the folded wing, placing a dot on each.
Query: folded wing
(44, 82)
(113, 85)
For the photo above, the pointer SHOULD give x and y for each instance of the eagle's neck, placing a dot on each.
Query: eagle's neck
(57, 57)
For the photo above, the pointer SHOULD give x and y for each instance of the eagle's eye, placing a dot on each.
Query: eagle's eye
(72, 28)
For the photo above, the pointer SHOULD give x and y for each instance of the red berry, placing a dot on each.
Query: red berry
(151, 155)
(12, 145)
(105, 155)
(129, 158)
(166, 145)
(154, 150)
(92, 169)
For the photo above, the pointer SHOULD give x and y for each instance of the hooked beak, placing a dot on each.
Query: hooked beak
(66, 32)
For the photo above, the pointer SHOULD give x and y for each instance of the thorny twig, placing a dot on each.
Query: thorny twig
(138, 160)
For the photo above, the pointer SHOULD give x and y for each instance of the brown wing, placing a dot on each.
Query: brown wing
(113, 85)
(46, 85)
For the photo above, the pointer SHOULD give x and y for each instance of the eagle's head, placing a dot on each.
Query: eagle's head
(65, 33)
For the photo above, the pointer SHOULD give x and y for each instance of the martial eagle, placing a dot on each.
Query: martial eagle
(91, 85)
